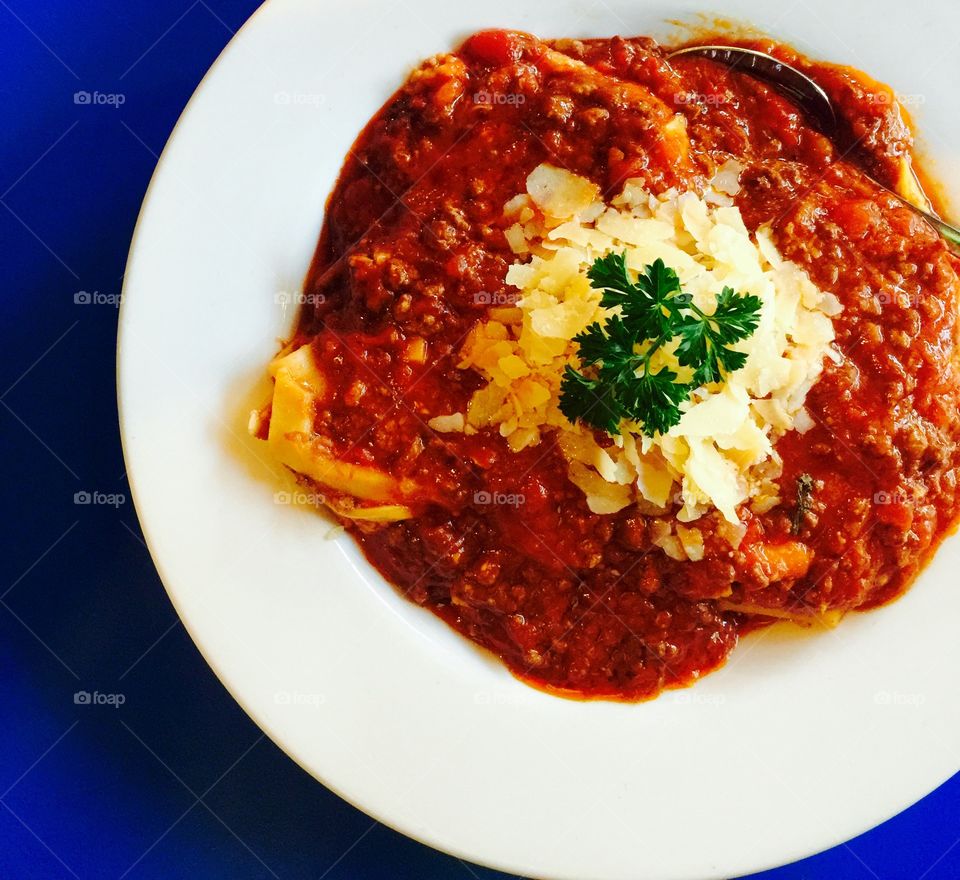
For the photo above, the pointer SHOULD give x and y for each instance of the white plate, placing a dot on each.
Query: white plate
(801, 742)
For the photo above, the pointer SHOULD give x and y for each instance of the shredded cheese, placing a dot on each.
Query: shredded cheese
(722, 453)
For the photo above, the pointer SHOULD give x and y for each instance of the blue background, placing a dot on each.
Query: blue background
(176, 782)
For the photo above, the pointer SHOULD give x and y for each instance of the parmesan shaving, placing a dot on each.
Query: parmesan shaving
(722, 453)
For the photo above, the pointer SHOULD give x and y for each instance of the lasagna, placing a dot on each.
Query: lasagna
(609, 358)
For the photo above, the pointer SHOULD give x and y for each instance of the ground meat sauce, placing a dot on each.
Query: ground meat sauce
(503, 546)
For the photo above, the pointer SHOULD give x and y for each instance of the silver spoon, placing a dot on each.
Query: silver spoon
(812, 99)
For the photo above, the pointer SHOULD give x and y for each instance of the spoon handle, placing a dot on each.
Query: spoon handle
(950, 234)
(811, 97)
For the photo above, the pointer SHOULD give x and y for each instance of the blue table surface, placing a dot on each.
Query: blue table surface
(168, 778)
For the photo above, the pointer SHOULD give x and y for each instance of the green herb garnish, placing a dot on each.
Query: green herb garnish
(621, 382)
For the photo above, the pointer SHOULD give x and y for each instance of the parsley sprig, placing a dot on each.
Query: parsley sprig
(620, 381)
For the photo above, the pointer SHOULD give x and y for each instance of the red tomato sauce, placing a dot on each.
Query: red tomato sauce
(503, 546)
